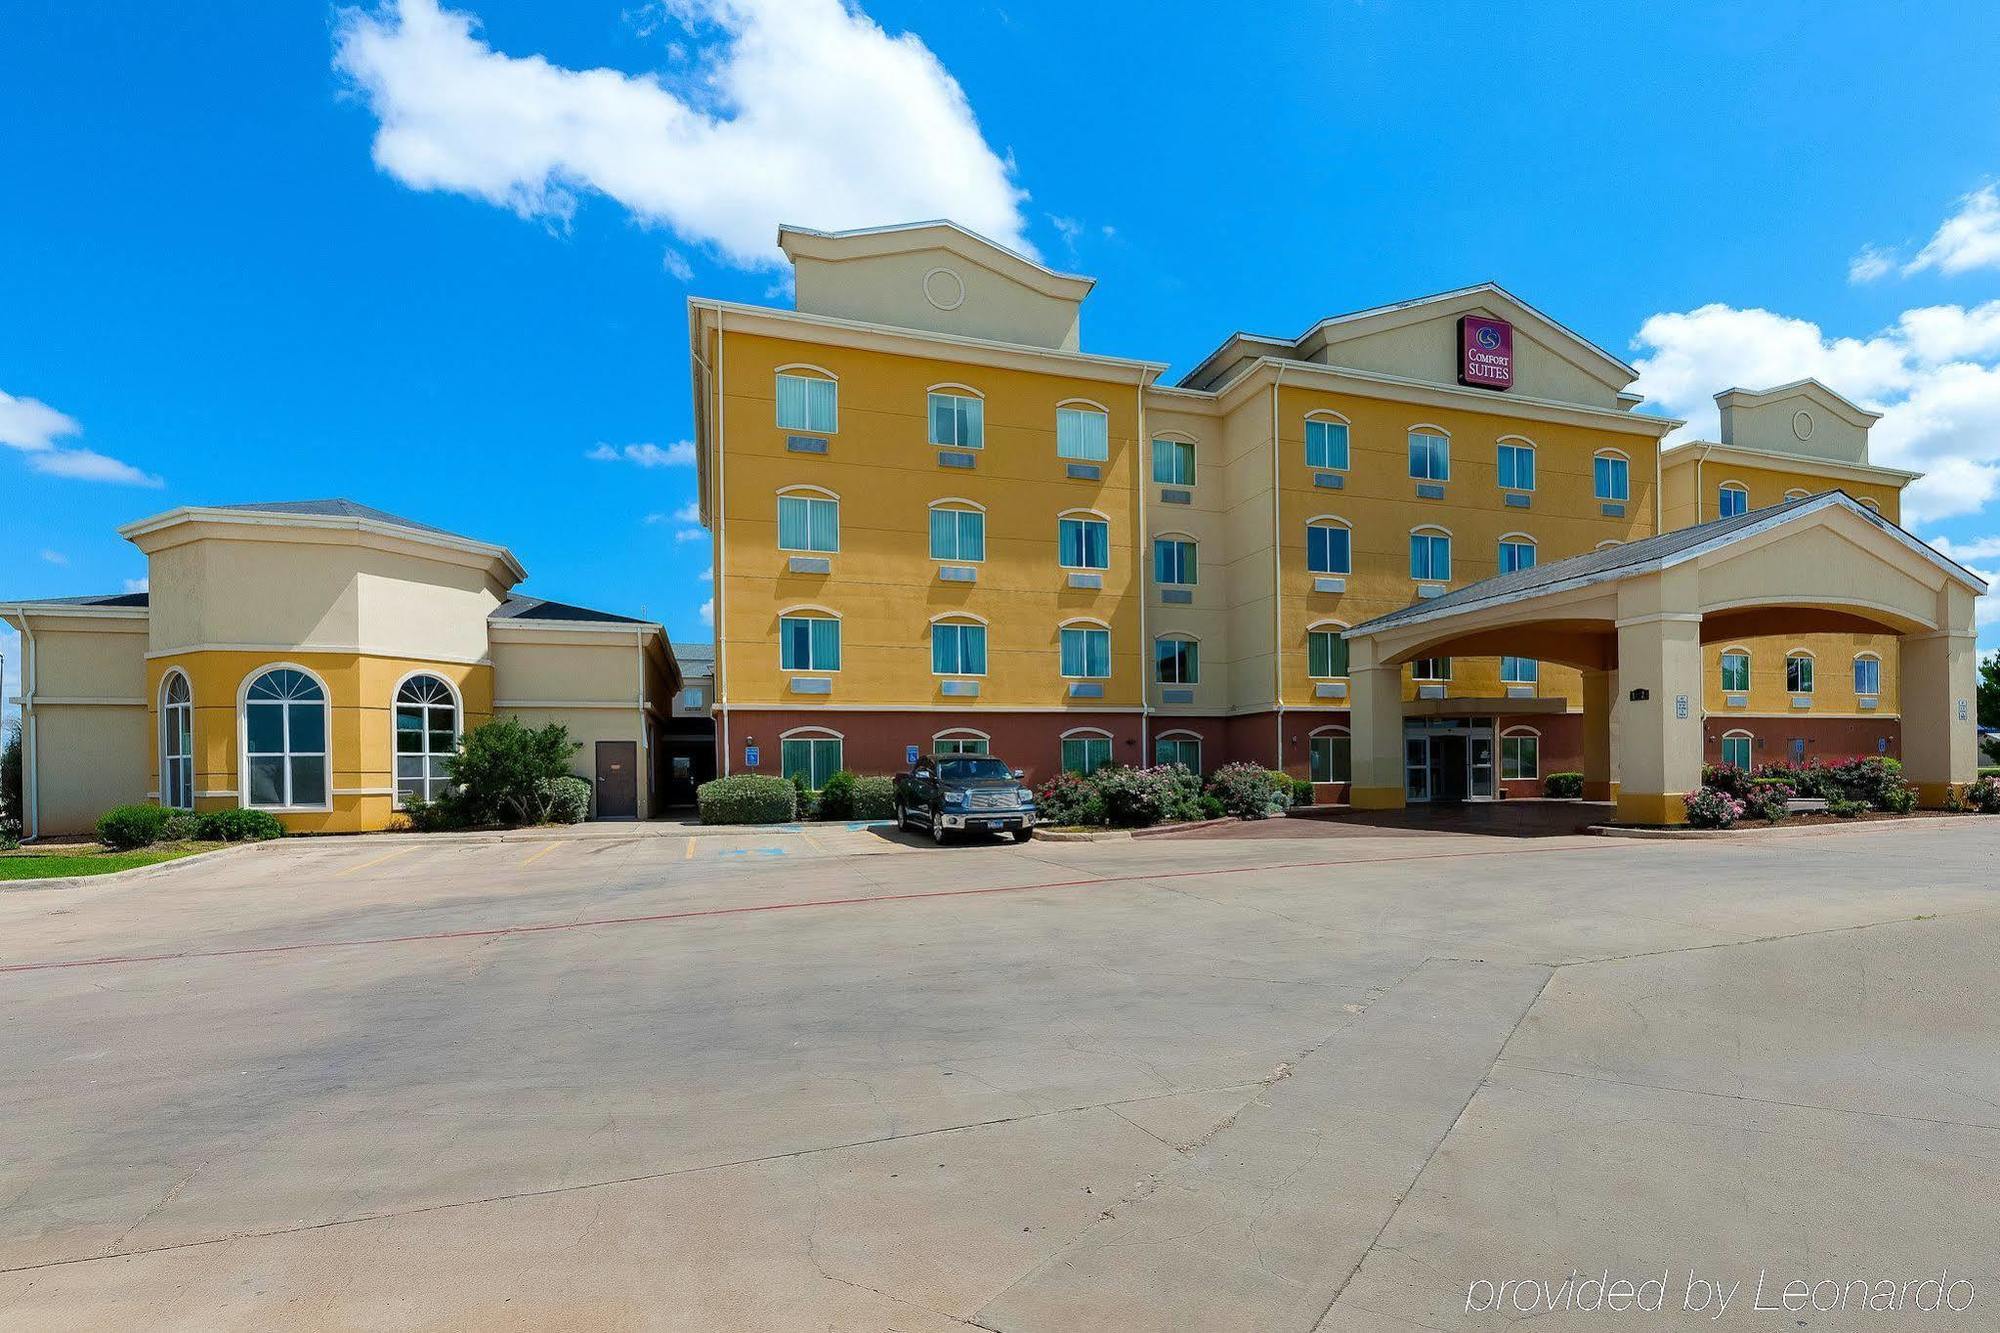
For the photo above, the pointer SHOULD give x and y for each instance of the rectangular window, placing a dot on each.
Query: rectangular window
(1173, 562)
(809, 643)
(1173, 462)
(808, 524)
(1731, 501)
(1430, 557)
(958, 534)
(1326, 445)
(1329, 549)
(1326, 654)
(1613, 476)
(807, 402)
(1736, 673)
(1519, 670)
(1736, 752)
(1181, 750)
(1516, 556)
(970, 745)
(1431, 669)
(958, 421)
(1082, 433)
(1867, 675)
(1430, 456)
(1083, 543)
(1177, 661)
(1332, 758)
(1798, 675)
(1517, 467)
(1085, 754)
(1520, 757)
(1086, 652)
(958, 650)
(815, 759)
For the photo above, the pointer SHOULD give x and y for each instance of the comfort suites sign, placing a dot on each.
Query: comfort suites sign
(1485, 352)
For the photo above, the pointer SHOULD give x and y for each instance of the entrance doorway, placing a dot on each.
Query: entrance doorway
(617, 780)
(1448, 759)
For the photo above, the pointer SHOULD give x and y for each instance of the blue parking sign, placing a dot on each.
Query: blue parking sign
(749, 756)
(910, 755)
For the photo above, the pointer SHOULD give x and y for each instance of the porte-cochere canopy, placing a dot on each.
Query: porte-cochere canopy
(1633, 618)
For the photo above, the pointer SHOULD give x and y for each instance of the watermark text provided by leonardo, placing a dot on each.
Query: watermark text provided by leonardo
(1715, 1296)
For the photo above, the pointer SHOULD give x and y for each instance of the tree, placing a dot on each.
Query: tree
(1989, 691)
(12, 811)
(506, 772)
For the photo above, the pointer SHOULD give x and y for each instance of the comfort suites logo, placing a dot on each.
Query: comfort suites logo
(1485, 352)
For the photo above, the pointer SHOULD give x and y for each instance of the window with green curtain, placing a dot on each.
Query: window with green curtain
(1519, 670)
(1176, 661)
(958, 420)
(958, 745)
(958, 650)
(1326, 654)
(808, 523)
(807, 402)
(958, 534)
(1736, 673)
(813, 758)
(1329, 549)
(1520, 757)
(1517, 467)
(1430, 557)
(1082, 433)
(1798, 674)
(1173, 561)
(1086, 652)
(1736, 752)
(1430, 456)
(1332, 758)
(1326, 445)
(809, 643)
(1613, 476)
(1173, 462)
(1083, 543)
(1431, 668)
(1182, 750)
(1516, 555)
(1085, 754)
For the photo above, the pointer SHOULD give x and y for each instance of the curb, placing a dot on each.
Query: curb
(1168, 830)
(135, 873)
(1776, 831)
(1084, 835)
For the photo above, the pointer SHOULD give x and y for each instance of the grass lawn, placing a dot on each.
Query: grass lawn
(89, 859)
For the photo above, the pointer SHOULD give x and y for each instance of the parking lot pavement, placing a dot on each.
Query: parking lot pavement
(1275, 1083)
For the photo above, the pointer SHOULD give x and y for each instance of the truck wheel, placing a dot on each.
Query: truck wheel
(937, 829)
(902, 818)
(1024, 835)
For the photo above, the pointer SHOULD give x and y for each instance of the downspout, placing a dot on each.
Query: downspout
(1142, 551)
(31, 786)
(1277, 576)
(715, 590)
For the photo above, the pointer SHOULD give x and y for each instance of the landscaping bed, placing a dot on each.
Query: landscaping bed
(72, 860)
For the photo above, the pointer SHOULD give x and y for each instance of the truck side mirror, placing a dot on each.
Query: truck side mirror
(1019, 773)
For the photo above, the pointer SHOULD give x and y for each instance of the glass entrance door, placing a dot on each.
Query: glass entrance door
(1479, 764)
(1448, 759)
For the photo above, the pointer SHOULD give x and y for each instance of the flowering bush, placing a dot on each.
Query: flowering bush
(1710, 807)
(1765, 799)
(1984, 796)
(1899, 799)
(1068, 800)
(1247, 790)
(1727, 778)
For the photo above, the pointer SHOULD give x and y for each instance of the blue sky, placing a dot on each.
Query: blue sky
(435, 259)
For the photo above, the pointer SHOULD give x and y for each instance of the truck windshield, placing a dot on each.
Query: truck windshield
(971, 767)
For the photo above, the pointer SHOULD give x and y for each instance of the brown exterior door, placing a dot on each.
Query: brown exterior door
(617, 779)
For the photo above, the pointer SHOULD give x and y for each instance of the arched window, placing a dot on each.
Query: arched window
(812, 753)
(285, 726)
(1870, 505)
(1329, 545)
(1085, 750)
(1173, 460)
(808, 399)
(808, 639)
(1516, 460)
(427, 728)
(1430, 555)
(1736, 671)
(961, 740)
(1177, 659)
(1798, 672)
(1520, 753)
(1083, 540)
(958, 531)
(1430, 453)
(1611, 473)
(176, 742)
(1797, 493)
(1326, 441)
(1086, 649)
(958, 416)
(1083, 431)
(958, 645)
(1517, 551)
(1607, 544)
(1174, 560)
(1736, 748)
(808, 519)
(1330, 754)
(1178, 747)
(1732, 499)
(1326, 650)
(1867, 675)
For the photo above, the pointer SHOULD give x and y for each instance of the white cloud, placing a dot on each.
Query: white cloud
(1979, 548)
(690, 535)
(678, 454)
(33, 427)
(10, 676)
(677, 267)
(1872, 262)
(139, 585)
(707, 575)
(1934, 375)
(790, 111)
(54, 557)
(1968, 239)
(688, 513)
(708, 612)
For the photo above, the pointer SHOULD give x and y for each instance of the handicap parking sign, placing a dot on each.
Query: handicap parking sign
(910, 755)
(749, 756)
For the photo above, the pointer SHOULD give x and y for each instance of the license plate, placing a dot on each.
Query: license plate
(999, 825)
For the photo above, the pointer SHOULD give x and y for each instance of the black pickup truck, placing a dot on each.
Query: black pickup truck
(964, 793)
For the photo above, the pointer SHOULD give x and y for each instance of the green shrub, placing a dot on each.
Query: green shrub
(1302, 791)
(505, 773)
(1563, 786)
(567, 799)
(874, 798)
(836, 797)
(1135, 797)
(1247, 791)
(12, 812)
(1842, 808)
(1983, 796)
(804, 802)
(746, 798)
(1766, 800)
(1209, 807)
(181, 826)
(239, 826)
(124, 827)
(1727, 778)
(1900, 799)
(446, 813)
(1068, 800)
(1184, 794)
(1711, 807)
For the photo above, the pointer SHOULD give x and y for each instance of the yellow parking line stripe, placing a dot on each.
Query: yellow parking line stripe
(688, 854)
(400, 851)
(530, 860)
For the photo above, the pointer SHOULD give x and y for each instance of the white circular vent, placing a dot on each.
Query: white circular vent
(1802, 424)
(944, 289)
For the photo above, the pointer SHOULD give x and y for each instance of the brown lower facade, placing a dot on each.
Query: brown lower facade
(1802, 738)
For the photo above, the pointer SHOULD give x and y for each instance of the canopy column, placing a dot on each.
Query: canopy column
(1375, 717)
(1939, 676)
(1600, 694)
(1659, 737)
